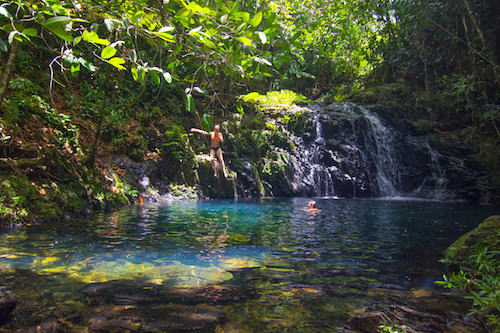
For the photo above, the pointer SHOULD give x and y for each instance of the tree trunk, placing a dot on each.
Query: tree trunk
(9, 67)
(484, 43)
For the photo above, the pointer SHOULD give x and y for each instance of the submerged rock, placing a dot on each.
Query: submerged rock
(369, 322)
(8, 301)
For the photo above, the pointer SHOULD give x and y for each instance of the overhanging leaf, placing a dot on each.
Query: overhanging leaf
(167, 77)
(30, 32)
(166, 29)
(58, 20)
(189, 103)
(5, 12)
(255, 21)
(206, 122)
(133, 70)
(155, 77)
(117, 62)
(133, 55)
(245, 40)
(108, 52)
(109, 25)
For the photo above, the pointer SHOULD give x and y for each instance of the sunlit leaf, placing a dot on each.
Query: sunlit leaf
(199, 90)
(165, 36)
(5, 12)
(87, 64)
(133, 70)
(109, 25)
(117, 62)
(245, 40)
(108, 52)
(262, 36)
(195, 31)
(255, 21)
(166, 29)
(167, 77)
(75, 69)
(262, 61)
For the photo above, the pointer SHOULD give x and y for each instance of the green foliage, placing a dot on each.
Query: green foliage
(295, 122)
(394, 329)
(273, 99)
(176, 151)
(479, 277)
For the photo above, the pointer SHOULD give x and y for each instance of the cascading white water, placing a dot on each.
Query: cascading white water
(309, 175)
(348, 150)
(380, 144)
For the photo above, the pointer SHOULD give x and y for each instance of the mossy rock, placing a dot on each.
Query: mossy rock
(464, 246)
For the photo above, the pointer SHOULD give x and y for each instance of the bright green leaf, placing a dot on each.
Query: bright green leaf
(108, 52)
(30, 32)
(135, 76)
(255, 21)
(75, 68)
(166, 37)
(245, 40)
(117, 62)
(58, 20)
(189, 103)
(101, 41)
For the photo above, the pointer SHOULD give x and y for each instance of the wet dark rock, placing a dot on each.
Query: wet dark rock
(418, 311)
(369, 322)
(52, 326)
(100, 324)
(8, 301)
(349, 150)
(215, 187)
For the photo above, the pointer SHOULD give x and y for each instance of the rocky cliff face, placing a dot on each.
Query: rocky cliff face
(344, 150)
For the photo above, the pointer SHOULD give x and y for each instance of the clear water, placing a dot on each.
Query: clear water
(266, 265)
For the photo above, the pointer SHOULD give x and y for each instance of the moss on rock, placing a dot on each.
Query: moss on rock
(463, 247)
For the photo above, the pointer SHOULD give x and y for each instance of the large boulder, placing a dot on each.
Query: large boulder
(464, 246)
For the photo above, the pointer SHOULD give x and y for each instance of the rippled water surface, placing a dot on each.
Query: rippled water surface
(216, 265)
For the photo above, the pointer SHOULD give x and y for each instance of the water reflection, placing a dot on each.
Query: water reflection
(277, 264)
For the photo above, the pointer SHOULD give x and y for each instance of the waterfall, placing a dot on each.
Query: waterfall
(309, 175)
(353, 150)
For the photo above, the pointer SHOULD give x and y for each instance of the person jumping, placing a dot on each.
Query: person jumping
(215, 149)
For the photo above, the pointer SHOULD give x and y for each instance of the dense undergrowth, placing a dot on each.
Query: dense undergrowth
(476, 257)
